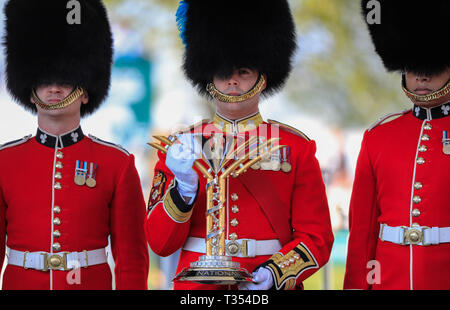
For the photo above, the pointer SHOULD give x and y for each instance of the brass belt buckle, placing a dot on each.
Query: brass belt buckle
(233, 248)
(413, 236)
(55, 261)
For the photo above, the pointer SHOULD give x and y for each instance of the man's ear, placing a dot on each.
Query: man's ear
(85, 98)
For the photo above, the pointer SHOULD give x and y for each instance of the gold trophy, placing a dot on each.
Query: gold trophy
(225, 156)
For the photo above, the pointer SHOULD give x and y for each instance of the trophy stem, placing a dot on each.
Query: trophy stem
(215, 217)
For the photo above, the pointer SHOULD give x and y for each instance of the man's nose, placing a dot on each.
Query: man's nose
(423, 78)
(54, 89)
(233, 80)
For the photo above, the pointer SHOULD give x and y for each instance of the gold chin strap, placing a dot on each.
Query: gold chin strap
(215, 93)
(71, 98)
(426, 98)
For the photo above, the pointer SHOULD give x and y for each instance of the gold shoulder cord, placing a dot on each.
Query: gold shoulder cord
(215, 93)
(425, 98)
(71, 98)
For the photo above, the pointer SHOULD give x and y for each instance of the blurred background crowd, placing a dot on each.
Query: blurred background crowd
(337, 89)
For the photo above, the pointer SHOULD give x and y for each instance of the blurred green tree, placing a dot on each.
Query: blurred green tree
(337, 76)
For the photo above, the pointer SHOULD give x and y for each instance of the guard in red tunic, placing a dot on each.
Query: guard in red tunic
(277, 218)
(62, 194)
(399, 211)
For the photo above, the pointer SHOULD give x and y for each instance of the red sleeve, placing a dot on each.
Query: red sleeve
(2, 228)
(362, 222)
(168, 220)
(310, 218)
(128, 243)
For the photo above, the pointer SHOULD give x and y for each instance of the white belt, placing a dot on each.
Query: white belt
(237, 248)
(420, 235)
(56, 261)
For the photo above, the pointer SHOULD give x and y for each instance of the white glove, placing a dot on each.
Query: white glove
(180, 160)
(263, 279)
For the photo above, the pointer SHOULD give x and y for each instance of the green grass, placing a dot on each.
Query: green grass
(317, 280)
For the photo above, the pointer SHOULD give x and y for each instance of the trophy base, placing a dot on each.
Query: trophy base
(218, 270)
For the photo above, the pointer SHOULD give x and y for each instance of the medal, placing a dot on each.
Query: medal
(445, 143)
(79, 180)
(91, 181)
(275, 161)
(80, 173)
(256, 165)
(285, 165)
(276, 165)
(446, 149)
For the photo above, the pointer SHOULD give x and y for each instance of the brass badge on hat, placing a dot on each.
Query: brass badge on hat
(445, 143)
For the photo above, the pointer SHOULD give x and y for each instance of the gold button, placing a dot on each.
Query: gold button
(234, 222)
(415, 225)
(56, 234)
(56, 221)
(234, 197)
(415, 212)
(417, 199)
(58, 185)
(420, 160)
(57, 209)
(427, 126)
(425, 137)
(56, 247)
(423, 148)
(233, 236)
(58, 175)
(59, 165)
(59, 155)
(418, 185)
(235, 209)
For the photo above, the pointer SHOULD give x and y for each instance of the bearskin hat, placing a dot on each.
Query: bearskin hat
(410, 34)
(221, 35)
(42, 46)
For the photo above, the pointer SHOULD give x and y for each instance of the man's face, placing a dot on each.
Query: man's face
(53, 94)
(423, 84)
(240, 82)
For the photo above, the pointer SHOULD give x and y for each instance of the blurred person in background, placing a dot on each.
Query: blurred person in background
(62, 194)
(399, 210)
(236, 52)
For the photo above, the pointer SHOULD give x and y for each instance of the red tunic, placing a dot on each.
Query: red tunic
(30, 171)
(302, 207)
(401, 179)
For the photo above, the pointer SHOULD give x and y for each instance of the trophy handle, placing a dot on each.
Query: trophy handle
(236, 164)
(255, 160)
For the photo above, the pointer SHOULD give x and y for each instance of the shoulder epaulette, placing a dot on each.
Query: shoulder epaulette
(15, 142)
(116, 146)
(190, 128)
(389, 117)
(291, 129)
